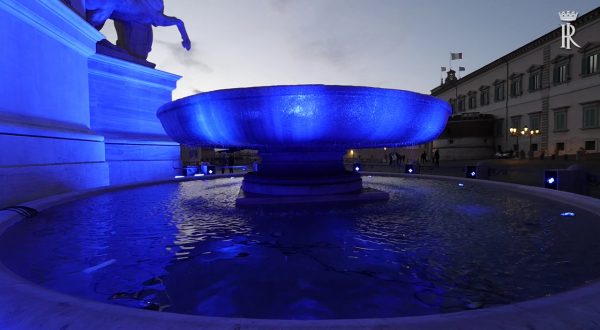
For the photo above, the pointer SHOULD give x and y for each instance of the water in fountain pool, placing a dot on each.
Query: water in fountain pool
(434, 247)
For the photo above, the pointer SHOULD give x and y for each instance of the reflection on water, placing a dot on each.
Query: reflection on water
(434, 247)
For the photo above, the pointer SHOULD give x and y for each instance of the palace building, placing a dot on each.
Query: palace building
(539, 87)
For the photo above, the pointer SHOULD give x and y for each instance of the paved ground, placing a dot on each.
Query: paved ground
(521, 171)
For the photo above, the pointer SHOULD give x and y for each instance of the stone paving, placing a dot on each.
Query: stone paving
(521, 171)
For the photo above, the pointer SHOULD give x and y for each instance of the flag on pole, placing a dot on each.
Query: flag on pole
(455, 56)
(461, 68)
(443, 69)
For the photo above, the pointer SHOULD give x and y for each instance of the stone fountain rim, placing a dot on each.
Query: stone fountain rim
(28, 305)
(280, 90)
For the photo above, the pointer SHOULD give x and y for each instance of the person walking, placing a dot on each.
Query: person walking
(231, 162)
(436, 158)
(223, 161)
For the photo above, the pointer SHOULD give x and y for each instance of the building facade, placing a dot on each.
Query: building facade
(541, 87)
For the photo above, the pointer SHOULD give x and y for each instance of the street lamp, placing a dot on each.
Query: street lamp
(531, 133)
(514, 132)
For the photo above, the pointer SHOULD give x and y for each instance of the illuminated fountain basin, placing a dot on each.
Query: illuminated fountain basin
(303, 131)
(440, 245)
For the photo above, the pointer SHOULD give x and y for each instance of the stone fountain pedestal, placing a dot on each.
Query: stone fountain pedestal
(287, 177)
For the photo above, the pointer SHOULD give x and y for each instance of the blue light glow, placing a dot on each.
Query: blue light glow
(410, 170)
(305, 117)
(461, 184)
(551, 180)
(473, 173)
(568, 214)
(179, 176)
(357, 169)
(210, 171)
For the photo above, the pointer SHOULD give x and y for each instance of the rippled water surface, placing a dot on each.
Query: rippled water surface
(434, 247)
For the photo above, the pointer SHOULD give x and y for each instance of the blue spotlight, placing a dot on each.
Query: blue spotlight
(551, 179)
(356, 167)
(409, 168)
(471, 172)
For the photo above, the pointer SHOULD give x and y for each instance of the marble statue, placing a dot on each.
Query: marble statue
(133, 22)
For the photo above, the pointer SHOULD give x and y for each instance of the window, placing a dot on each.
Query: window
(560, 146)
(535, 77)
(590, 145)
(590, 115)
(472, 100)
(499, 91)
(452, 103)
(534, 120)
(590, 64)
(535, 81)
(560, 120)
(516, 85)
(461, 103)
(484, 98)
(515, 122)
(590, 59)
(561, 72)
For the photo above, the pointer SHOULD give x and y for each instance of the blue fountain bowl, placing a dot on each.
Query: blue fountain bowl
(305, 117)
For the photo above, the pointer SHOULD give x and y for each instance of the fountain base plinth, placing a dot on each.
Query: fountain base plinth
(342, 183)
(305, 177)
(365, 195)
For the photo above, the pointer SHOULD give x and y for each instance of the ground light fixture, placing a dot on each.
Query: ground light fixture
(208, 169)
(551, 179)
(471, 172)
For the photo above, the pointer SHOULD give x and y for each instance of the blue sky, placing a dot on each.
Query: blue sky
(381, 43)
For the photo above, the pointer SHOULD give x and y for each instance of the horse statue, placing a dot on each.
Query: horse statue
(133, 22)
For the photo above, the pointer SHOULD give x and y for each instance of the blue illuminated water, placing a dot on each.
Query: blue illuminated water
(435, 247)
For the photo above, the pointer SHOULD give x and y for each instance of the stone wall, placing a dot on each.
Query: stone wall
(52, 140)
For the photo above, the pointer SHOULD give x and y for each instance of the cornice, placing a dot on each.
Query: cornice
(113, 68)
(54, 19)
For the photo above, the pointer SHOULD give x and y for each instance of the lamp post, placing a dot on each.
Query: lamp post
(530, 133)
(514, 132)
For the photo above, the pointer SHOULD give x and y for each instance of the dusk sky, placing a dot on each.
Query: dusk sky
(397, 44)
